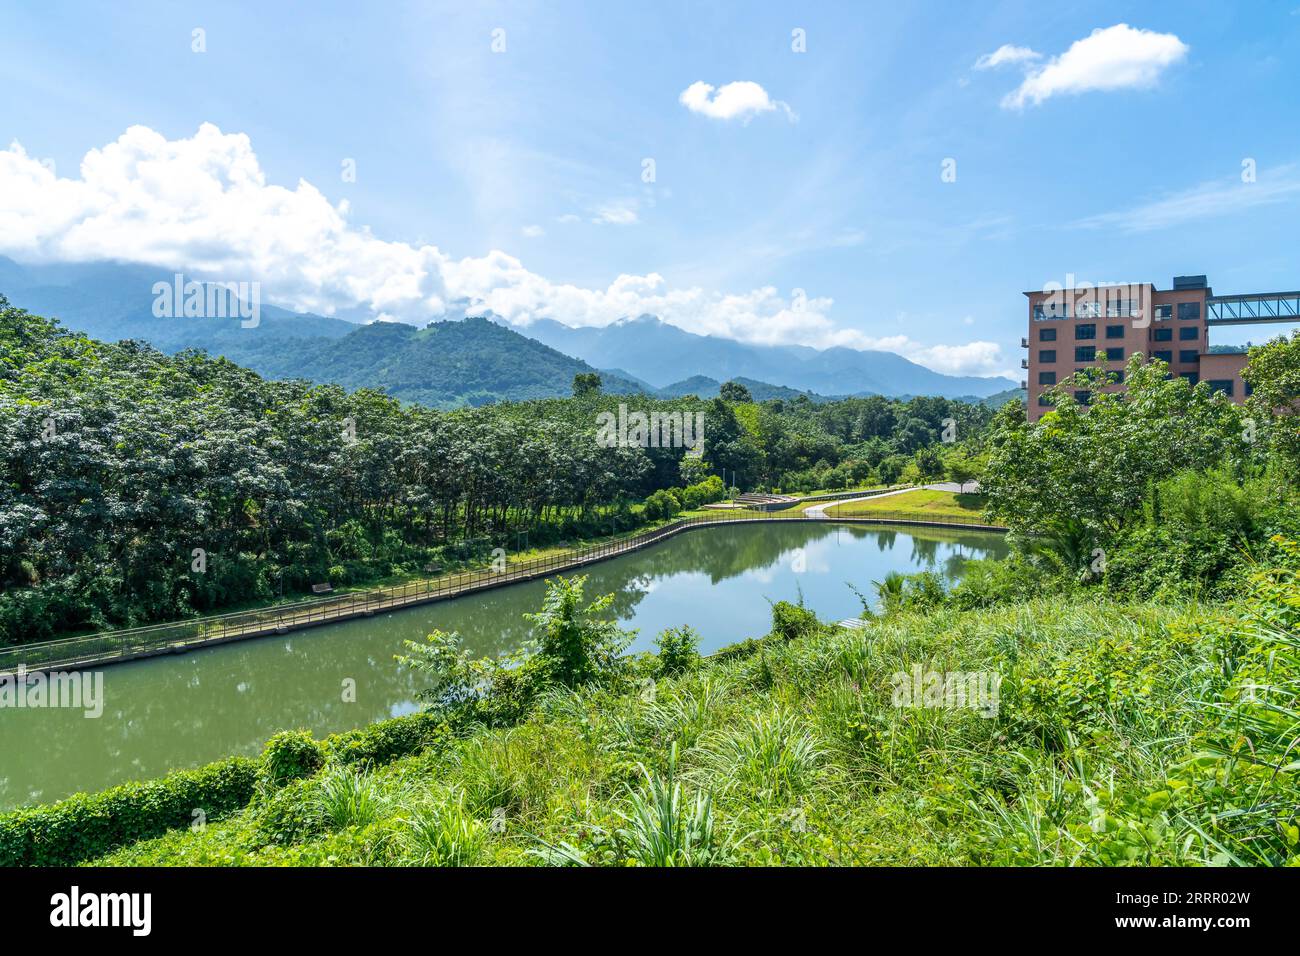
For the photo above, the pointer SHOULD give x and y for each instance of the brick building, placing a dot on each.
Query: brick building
(1071, 329)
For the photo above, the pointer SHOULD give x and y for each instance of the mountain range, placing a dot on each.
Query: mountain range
(651, 349)
(469, 361)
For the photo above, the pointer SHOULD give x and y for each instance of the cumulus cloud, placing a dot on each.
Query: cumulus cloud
(742, 100)
(1116, 58)
(1006, 53)
(203, 206)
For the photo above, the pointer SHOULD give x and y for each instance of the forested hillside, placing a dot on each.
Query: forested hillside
(443, 365)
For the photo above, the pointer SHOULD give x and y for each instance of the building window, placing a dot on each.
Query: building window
(1115, 354)
(1188, 333)
(1163, 335)
(1085, 331)
(1047, 355)
(1085, 353)
(1087, 310)
(1163, 356)
(1046, 378)
(1120, 308)
(1047, 311)
(1114, 331)
(1189, 356)
(1044, 401)
(1116, 376)
(1164, 312)
(1223, 385)
(1047, 335)
(1082, 397)
(1189, 310)
(1192, 377)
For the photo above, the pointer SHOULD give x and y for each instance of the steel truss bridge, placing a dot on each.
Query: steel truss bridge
(1253, 308)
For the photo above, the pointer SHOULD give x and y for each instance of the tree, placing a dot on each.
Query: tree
(1273, 374)
(692, 470)
(576, 645)
(734, 392)
(961, 469)
(586, 383)
(1082, 472)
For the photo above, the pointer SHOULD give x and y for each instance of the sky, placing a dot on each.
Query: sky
(888, 175)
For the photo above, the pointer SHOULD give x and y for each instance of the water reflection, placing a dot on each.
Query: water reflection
(189, 709)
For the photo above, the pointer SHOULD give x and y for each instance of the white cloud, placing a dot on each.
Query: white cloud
(1006, 53)
(742, 100)
(622, 212)
(202, 206)
(532, 232)
(1118, 57)
(1220, 197)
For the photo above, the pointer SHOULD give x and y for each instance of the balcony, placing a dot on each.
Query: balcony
(1024, 363)
(1024, 384)
(1024, 342)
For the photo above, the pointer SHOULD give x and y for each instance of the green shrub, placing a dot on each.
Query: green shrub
(291, 755)
(790, 621)
(387, 740)
(678, 651)
(289, 815)
(660, 505)
(86, 826)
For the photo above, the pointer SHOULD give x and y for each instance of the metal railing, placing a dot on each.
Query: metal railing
(181, 636)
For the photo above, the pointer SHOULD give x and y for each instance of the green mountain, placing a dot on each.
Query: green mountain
(705, 387)
(467, 362)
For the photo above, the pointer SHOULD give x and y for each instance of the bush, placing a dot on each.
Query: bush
(86, 826)
(291, 755)
(988, 582)
(387, 740)
(790, 621)
(660, 505)
(678, 651)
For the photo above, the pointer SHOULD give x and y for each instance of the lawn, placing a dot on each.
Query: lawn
(924, 502)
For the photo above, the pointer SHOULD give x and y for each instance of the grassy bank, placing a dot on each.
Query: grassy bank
(1117, 739)
(925, 503)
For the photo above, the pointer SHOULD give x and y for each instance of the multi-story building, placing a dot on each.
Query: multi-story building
(1071, 329)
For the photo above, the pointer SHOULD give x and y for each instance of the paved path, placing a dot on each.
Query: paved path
(819, 511)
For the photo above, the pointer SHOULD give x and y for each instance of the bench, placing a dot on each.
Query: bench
(322, 588)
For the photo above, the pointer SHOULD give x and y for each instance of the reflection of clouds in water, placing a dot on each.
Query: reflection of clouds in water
(403, 707)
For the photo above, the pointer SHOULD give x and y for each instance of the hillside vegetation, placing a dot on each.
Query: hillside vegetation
(138, 487)
(1123, 735)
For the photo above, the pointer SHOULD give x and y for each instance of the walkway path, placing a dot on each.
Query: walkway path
(819, 511)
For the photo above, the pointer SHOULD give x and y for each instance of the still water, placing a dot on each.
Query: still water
(186, 710)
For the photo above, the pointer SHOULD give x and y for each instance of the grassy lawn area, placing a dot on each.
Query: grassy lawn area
(926, 503)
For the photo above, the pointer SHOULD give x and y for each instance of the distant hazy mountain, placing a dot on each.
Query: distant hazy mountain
(660, 354)
(111, 301)
(446, 364)
(471, 361)
(1001, 398)
(705, 387)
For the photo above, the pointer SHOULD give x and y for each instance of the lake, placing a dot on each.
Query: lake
(179, 711)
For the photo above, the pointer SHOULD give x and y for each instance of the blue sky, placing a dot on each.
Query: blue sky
(515, 178)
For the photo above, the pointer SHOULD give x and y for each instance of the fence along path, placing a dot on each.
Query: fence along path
(182, 636)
